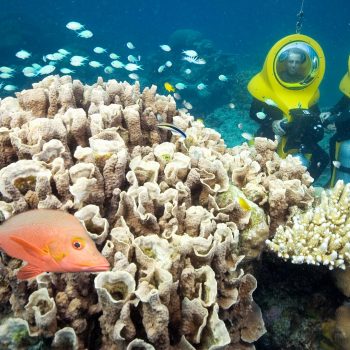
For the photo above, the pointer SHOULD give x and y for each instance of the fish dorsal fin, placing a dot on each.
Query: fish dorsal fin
(28, 271)
(31, 249)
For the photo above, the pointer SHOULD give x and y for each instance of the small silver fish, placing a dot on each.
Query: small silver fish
(133, 59)
(165, 48)
(66, 71)
(10, 87)
(23, 54)
(130, 45)
(5, 69)
(190, 53)
(180, 86)
(108, 70)
(99, 50)
(74, 26)
(6, 75)
(133, 76)
(132, 67)
(117, 64)
(46, 70)
(161, 68)
(113, 56)
(63, 52)
(95, 64)
(336, 163)
(247, 136)
(201, 86)
(186, 104)
(86, 34)
(261, 115)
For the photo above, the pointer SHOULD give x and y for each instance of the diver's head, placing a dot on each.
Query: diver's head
(296, 58)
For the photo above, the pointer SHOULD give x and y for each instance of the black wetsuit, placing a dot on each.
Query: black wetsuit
(272, 113)
(303, 137)
(340, 116)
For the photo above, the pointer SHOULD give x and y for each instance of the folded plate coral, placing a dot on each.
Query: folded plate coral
(175, 218)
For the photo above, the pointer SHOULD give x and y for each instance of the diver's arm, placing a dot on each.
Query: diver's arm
(315, 109)
(342, 105)
(337, 112)
(272, 113)
(255, 107)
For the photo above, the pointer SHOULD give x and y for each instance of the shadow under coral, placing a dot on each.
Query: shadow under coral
(296, 301)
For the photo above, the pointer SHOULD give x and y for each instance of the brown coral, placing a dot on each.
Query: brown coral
(166, 220)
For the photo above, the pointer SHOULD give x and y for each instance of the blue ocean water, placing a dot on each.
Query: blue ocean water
(241, 30)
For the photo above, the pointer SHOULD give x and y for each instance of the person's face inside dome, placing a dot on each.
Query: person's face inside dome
(293, 63)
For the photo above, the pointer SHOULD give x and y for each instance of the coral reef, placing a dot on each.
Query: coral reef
(298, 304)
(175, 218)
(341, 333)
(320, 235)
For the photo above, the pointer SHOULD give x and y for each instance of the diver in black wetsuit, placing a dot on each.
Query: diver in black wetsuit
(303, 133)
(291, 75)
(272, 114)
(338, 117)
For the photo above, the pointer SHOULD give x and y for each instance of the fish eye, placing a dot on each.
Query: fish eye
(78, 243)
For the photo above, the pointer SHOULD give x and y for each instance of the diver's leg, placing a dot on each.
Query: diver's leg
(332, 142)
(319, 161)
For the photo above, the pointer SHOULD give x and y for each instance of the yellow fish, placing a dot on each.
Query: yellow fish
(243, 204)
(169, 87)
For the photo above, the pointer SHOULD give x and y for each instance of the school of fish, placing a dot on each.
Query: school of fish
(102, 59)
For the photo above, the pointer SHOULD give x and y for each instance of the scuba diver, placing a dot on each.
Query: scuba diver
(285, 95)
(338, 117)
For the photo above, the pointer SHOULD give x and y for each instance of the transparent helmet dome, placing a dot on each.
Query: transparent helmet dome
(296, 65)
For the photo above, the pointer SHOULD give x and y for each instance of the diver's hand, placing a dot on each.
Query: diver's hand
(331, 127)
(277, 127)
(324, 116)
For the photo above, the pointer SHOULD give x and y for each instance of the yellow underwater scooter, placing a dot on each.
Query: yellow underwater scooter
(293, 97)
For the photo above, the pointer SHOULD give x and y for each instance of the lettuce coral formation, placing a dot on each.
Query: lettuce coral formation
(166, 214)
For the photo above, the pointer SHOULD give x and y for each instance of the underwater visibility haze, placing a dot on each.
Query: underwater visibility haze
(135, 117)
(241, 32)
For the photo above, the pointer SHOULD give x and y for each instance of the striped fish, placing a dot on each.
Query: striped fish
(174, 129)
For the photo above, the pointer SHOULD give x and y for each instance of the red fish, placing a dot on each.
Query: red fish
(52, 241)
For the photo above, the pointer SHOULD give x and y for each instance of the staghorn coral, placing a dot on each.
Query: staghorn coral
(320, 235)
(164, 211)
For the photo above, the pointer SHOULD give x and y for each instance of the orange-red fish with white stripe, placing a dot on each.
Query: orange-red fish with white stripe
(52, 241)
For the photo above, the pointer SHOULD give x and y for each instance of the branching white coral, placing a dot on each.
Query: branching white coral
(319, 236)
